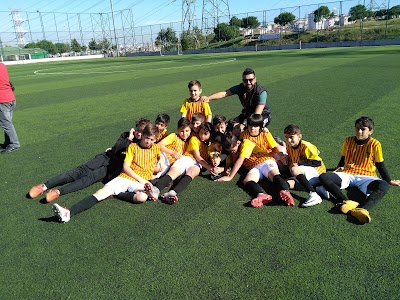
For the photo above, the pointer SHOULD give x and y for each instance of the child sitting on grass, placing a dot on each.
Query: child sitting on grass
(361, 156)
(138, 169)
(162, 121)
(188, 166)
(305, 164)
(103, 167)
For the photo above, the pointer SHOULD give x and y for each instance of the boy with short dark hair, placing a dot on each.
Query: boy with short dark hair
(162, 121)
(195, 122)
(193, 104)
(361, 156)
(305, 164)
(138, 169)
(188, 166)
(256, 153)
(219, 122)
(174, 145)
(103, 167)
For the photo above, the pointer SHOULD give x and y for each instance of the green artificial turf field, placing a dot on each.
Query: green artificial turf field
(210, 245)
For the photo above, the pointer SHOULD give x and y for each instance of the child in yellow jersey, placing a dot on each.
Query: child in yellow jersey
(193, 104)
(305, 164)
(195, 122)
(174, 146)
(361, 156)
(138, 168)
(261, 164)
(189, 165)
(220, 124)
(162, 121)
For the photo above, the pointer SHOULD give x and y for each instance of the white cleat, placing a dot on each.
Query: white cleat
(63, 213)
(313, 199)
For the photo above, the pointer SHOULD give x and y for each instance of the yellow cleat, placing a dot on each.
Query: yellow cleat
(361, 214)
(348, 205)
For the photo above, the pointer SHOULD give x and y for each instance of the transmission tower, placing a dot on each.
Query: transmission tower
(19, 31)
(373, 5)
(188, 14)
(213, 11)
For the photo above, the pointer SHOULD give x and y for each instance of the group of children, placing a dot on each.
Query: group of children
(146, 160)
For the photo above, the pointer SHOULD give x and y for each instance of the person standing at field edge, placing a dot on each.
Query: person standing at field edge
(7, 105)
(252, 96)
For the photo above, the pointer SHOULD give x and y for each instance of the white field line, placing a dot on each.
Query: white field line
(78, 72)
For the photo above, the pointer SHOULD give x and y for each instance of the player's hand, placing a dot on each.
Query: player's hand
(395, 182)
(176, 155)
(131, 134)
(224, 178)
(204, 99)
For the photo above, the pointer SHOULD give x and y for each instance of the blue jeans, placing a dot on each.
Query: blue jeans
(10, 135)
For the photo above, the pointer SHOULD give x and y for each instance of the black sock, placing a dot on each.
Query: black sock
(82, 205)
(332, 183)
(127, 196)
(379, 189)
(254, 188)
(280, 183)
(183, 184)
(302, 179)
(163, 182)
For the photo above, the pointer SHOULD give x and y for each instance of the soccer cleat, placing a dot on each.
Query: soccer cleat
(36, 190)
(348, 205)
(52, 195)
(261, 200)
(287, 197)
(151, 191)
(321, 190)
(313, 199)
(63, 213)
(170, 197)
(361, 214)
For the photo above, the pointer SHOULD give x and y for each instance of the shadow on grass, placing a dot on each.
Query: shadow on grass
(50, 219)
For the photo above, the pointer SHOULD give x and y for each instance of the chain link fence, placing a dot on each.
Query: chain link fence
(19, 28)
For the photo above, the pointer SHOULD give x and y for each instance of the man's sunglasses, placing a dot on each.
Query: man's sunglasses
(248, 80)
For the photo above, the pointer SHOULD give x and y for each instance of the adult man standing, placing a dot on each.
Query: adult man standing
(252, 96)
(7, 105)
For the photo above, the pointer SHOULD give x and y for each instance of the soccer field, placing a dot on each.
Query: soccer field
(210, 245)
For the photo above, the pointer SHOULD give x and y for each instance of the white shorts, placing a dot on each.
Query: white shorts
(121, 185)
(184, 163)
(359, 181)
(264, 168)
(166, 165)
(311, 174)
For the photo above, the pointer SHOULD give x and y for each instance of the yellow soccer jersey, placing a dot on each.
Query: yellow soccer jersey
(196, 144)
(189, 108)
(252, 154)
(361, 159)
(162, 135)
(142, 160)
(305, 153)
(264, 140)
(175, 143)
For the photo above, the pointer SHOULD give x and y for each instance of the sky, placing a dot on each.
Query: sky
(147, 12)
(52, 15)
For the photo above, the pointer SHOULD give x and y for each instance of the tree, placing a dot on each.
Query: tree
(250, 23)
(93, 45)
(104, 44)
(284, 18)
(358, 12)
(225, 32)
(192, 39)
(322, 12)
(167, 39)
(62, 47)
(75, 46)
(235, 21)
(394, 11)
